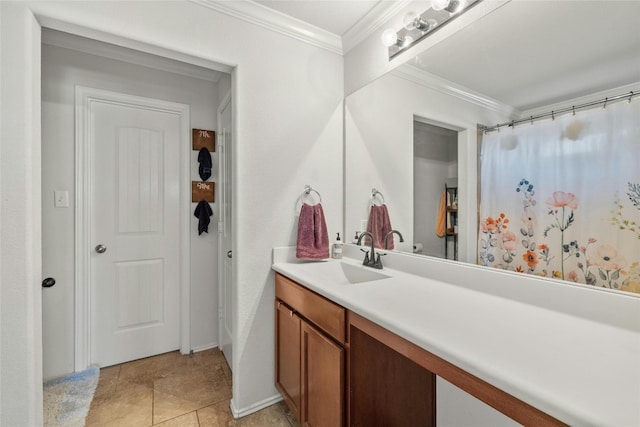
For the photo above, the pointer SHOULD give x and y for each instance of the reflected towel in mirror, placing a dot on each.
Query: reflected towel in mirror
(379, 225)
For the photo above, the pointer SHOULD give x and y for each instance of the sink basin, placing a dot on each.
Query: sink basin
(344, 273)
(356, 274)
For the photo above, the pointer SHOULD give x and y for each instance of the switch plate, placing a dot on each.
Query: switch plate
(61, 199)
(363, 225)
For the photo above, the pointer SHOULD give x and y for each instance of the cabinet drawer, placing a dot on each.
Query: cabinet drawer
(326, 315)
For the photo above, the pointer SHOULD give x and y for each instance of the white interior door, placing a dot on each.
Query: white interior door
(134, 229)
(224, 228)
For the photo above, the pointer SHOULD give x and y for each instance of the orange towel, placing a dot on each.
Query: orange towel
(442, 212)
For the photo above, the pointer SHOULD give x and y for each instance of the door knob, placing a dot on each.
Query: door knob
(229, 254)
(48, 282)
(101, 249)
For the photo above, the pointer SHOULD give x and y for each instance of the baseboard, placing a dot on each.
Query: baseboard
(204, 347)
(239, 413)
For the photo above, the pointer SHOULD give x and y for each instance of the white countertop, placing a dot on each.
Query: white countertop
(578, 368)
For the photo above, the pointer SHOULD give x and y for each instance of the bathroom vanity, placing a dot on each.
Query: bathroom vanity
(363, 347)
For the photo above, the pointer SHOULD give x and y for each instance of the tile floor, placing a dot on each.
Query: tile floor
(174, 390)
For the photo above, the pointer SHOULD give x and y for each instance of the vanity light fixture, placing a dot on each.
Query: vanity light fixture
(417, 27)
(413, 21)
(390, 38)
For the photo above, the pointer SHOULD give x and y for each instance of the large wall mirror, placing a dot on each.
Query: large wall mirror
(414, 130)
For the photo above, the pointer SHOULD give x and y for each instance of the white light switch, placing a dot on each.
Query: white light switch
(61, 198)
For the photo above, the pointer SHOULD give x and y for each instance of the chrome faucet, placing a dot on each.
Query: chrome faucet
(386, 238)
(370, 259)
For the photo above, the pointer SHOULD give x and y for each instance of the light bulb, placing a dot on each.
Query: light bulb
(439, 4)
(389, 37)
(456, 6)
(409, 20)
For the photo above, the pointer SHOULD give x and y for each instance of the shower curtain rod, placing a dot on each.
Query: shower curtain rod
(629, 96)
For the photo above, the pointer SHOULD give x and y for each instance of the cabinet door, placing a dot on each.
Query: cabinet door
(322, 379)
(288, 356)
(386, 388)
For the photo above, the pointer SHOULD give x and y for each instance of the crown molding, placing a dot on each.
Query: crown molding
(274, 20)
(431, 81)
(371, 22)
(124, 54)
(635, 87)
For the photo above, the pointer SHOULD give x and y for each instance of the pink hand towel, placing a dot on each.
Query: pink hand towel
(379, 225)
(313, 238)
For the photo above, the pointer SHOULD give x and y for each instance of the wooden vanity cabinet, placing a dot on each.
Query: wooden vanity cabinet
(288, 352)
(310, 355)
(386, 388)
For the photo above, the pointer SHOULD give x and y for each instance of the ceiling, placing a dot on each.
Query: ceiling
(335, 16)
(529, 54)
(526, 54)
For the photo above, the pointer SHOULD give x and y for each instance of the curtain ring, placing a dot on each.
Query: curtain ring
(630, 96)
(573, 107)
(553, 117)
(512, 124)
(531, 119)
(605, 103)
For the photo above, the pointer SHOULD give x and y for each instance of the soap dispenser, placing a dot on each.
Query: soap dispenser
(336, 252)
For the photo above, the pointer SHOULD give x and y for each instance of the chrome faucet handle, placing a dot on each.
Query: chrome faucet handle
(378, 263)
(366, 257)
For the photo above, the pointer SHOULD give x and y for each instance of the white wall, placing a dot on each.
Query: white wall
(62, 69)
(379, 152)
(20, 342)
(288, 114)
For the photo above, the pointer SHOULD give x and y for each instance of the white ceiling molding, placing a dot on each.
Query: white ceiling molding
(119, 53)
(263, 16)
(372, 21)
(431, 81)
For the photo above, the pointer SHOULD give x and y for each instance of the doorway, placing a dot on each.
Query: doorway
(88, 62)
(435, 166)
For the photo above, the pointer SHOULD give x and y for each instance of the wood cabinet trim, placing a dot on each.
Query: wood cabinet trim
(325, 314)
(500, 400)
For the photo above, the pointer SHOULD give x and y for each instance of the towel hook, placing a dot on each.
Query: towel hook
(307, 191)
(375, 193)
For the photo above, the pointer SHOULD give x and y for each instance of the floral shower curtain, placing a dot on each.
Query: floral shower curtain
(561, 198)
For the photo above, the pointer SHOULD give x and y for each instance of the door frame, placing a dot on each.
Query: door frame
(221, 225)
(85, 98)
